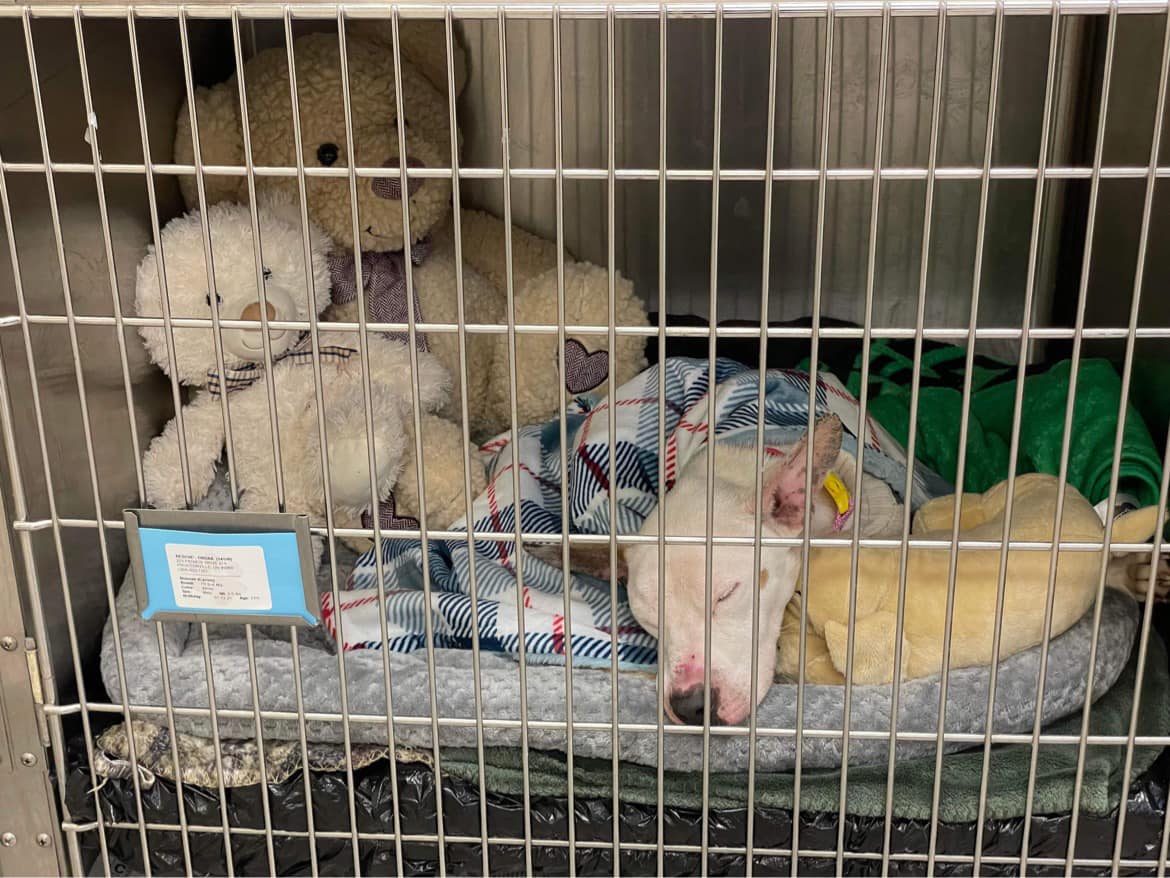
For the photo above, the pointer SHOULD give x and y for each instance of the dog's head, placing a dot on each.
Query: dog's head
(681, 653)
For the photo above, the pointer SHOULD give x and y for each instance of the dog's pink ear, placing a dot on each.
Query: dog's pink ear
(784, 482)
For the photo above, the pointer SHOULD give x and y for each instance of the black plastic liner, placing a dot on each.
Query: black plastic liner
(593, 823)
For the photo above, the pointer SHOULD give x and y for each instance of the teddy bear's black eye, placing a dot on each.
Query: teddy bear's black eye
(267, 273)
(218, 299)
(327, 153)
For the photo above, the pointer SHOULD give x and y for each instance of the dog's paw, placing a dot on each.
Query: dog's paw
(590, 559)
(1137, 575)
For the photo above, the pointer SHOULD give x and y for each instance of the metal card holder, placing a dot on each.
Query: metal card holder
(154, 536)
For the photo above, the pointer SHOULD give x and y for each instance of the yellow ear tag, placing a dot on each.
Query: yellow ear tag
(840, 494)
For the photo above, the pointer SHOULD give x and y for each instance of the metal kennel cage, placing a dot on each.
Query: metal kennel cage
(987, 174)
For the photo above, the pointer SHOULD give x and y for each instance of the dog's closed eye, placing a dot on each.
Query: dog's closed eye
(727, 593)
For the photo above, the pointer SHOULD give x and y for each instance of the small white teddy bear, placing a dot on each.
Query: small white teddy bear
(289, 297)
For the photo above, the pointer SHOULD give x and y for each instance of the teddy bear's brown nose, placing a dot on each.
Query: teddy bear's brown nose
(391, 187)
(252, 312)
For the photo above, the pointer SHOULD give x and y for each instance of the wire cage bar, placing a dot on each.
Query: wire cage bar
(985, 174)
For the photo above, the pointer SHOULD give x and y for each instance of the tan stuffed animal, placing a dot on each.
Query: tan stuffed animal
(427, 138)
(976, 582)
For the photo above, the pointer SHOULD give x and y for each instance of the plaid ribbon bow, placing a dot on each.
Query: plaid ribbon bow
(247, 374)
(388, 517)
(384, 285)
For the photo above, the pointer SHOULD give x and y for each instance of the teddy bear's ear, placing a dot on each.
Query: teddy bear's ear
(424, 45)
(220, 143)
(281, 205)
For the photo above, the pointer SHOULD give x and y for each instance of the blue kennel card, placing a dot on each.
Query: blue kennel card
(216, 574)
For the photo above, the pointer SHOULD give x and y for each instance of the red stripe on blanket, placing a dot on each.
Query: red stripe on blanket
(595, 468)
(558, 630)
(497, 525)
(350, 605)
(692, 428)
(495, 444)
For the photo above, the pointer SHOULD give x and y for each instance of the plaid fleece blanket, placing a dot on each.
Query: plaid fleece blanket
(591, 635)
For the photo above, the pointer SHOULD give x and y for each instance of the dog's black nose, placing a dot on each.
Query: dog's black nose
(688, 706)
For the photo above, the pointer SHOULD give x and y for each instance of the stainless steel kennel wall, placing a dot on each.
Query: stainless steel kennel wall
(799, 84)
(834, 208)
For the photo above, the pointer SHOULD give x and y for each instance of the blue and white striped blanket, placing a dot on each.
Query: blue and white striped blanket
(635, 472)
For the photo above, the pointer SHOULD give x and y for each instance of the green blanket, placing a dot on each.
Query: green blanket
(914, 779)
(993, 388)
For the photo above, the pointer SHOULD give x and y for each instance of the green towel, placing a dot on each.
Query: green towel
(959, 802)
(993, 388)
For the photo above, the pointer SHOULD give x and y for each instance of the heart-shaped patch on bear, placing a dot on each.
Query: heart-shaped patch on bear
(584, 370)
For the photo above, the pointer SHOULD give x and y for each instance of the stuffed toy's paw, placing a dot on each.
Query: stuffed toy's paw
(873, 647)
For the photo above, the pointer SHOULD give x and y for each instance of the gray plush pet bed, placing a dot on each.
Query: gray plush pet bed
(918, 704)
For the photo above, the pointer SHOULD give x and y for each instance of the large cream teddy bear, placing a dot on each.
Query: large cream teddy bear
(289, 296)
(981, 517)
(380, 223)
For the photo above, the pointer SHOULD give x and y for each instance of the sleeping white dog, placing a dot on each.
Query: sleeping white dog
(680, 643)
(682, 661)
